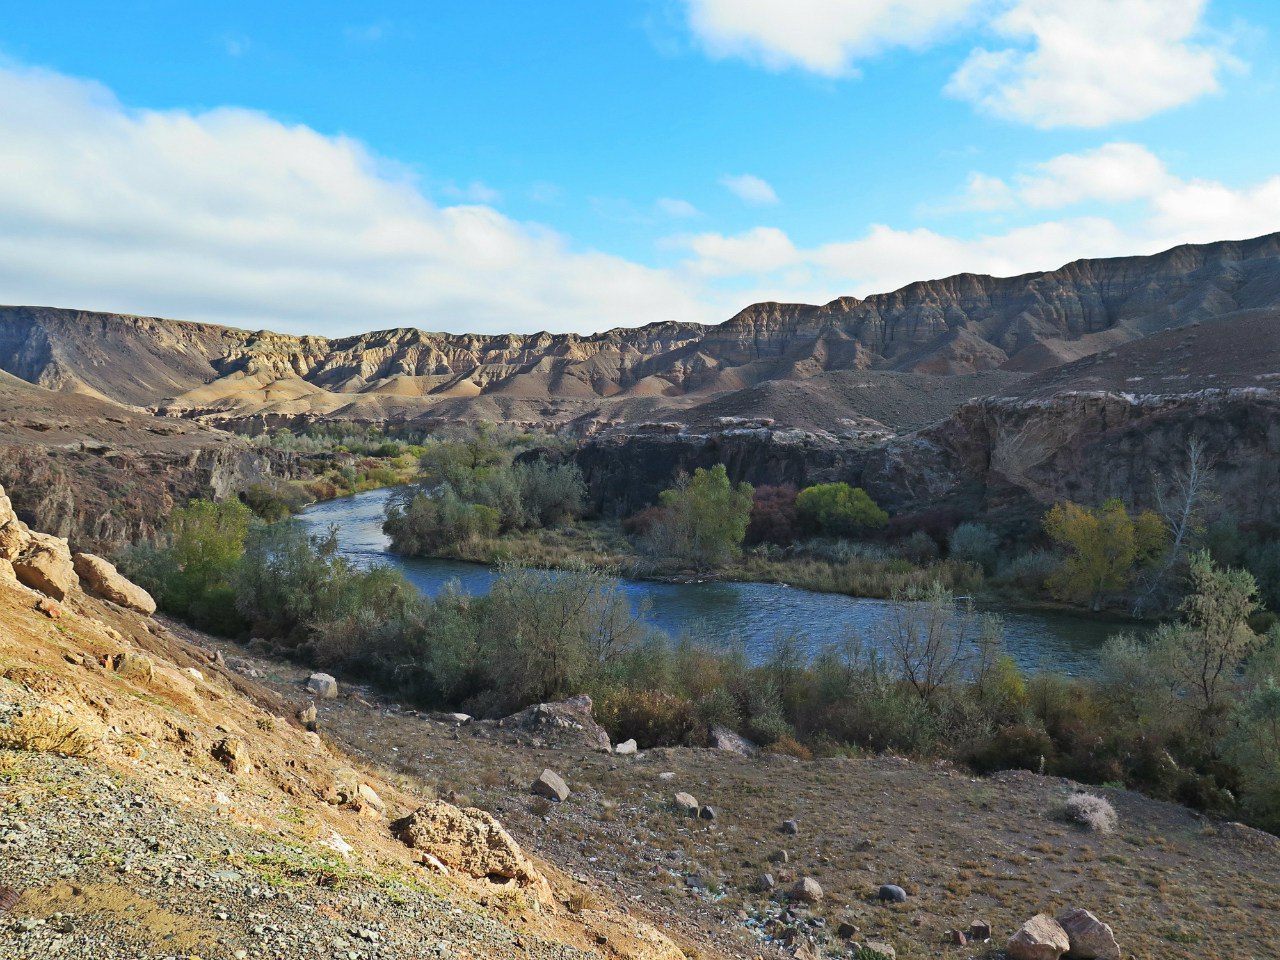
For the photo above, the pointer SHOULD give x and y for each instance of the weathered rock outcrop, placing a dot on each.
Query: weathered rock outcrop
(471, 842)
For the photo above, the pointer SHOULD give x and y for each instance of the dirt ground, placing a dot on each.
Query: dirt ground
(1171, 883)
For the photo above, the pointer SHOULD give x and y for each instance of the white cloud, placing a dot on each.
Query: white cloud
(1166, 210)
(231, 216)
(1059, 63)
(821, 36)
(677, 209)
(1089, 63)
(1113, 173)
(749, 188)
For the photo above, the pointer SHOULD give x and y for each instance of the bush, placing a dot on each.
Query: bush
(974, 543)
(273, 502)
(550, 493)
(1091, 811)
(651, 717)
(1028, 572)
(1014, 747)
(703, 521)
(919, 549)
(837, 509)
(774, 516)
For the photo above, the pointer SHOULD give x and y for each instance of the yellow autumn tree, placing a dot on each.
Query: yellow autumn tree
(1106, 546)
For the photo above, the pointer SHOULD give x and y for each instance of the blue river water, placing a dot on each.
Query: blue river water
(752, 614)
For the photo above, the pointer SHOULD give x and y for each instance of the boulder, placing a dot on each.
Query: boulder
(882, 948)
(45, 565)
(687, 804)
(1089, 937)
(765, 882)
(807, 890)
(1040, 938)
(344, 787)
(105, 580)
(722, 738)
(979, 931)
(892, 893)
(322, 685)
(626, 747)
(706, 813)
(471, 842)
(791, 827)
(6, 571)
(550, 785)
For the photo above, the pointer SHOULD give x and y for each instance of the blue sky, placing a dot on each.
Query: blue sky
(496, 166)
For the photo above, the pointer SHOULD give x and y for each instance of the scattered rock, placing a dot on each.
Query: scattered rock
(49, 608)
(706, 813)
(101, 577)
(232, 753)
(807, 890)
(550, 785)
(1040, 938)
(882, 948)
(344, 787)
(722, 738)
(892, 893)
(45, 565)
(626, 747)
(791, 827)
(369, 800)
(779, 856)
(136, 666)
(765, 882)
(958, 938)
(687, 804)
(322, 685)
(979, 931)
(457, 719)
(846, 930)
(472, 842)
(307, 716)
(1089, 937)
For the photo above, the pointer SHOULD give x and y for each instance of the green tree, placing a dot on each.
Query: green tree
(1105, 548)
(839, 509)
(1203, 653)
(703, 519)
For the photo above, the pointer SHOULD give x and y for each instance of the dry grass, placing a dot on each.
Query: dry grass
(1093, 812)
(43, 731)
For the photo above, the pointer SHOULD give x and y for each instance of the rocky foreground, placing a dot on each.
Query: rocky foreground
(155, 804)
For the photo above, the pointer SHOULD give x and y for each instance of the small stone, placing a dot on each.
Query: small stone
(979, 931)
(807, 890)
(706, 813)
(765, 882)
(958, 938)
(791, 827)
(626, 747)
(779, 856)
(369, 800)
(892, 893)
(322, 685)
(550, 785)
(846, 930)
(687, 804)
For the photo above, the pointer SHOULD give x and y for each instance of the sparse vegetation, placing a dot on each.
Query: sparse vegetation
(1091, 811)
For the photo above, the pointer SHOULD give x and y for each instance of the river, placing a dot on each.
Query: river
(754, 614)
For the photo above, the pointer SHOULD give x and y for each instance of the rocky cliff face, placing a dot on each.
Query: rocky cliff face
(957, 325)
(102, 475)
